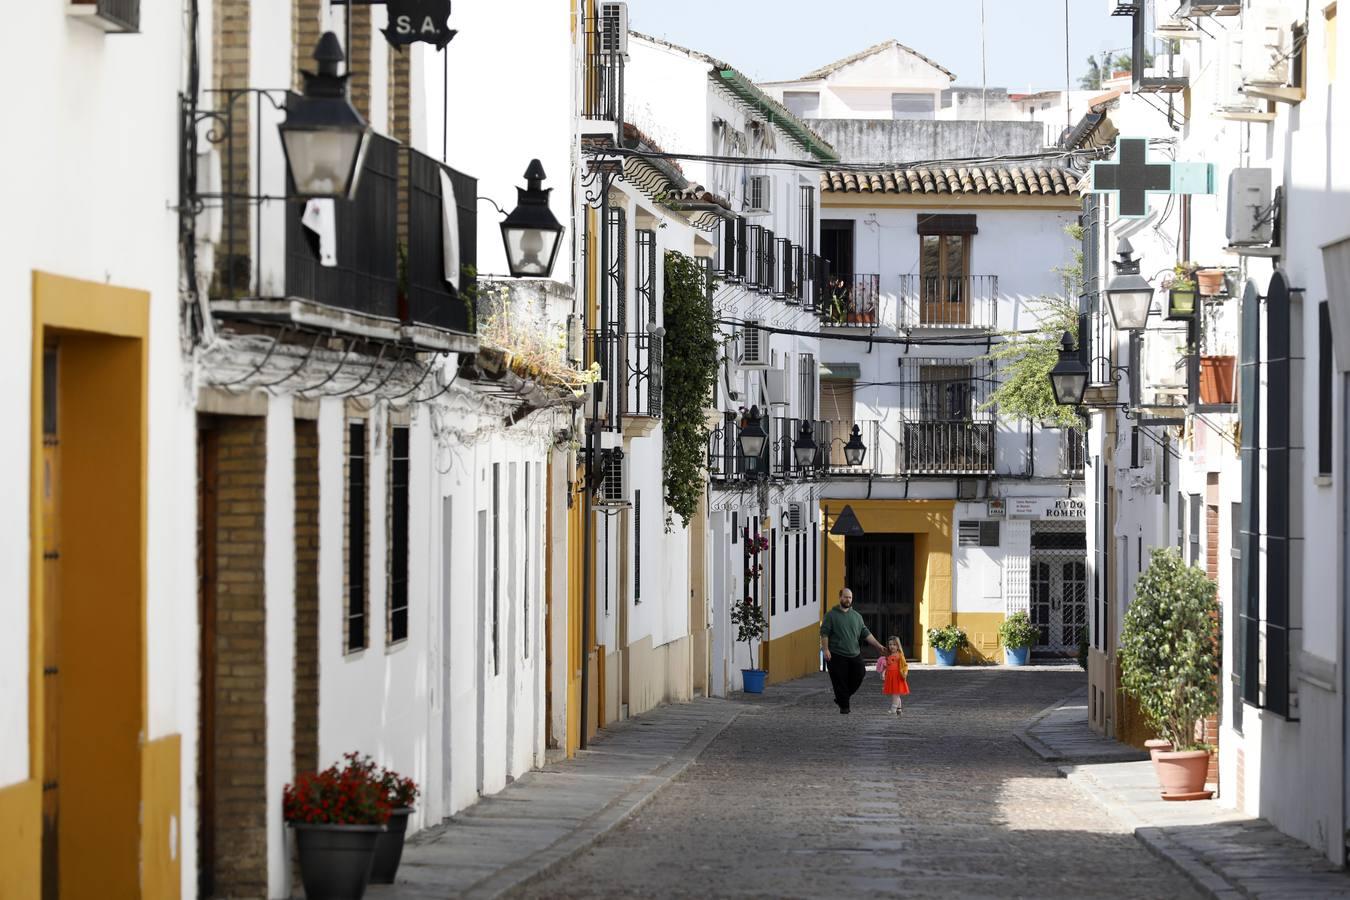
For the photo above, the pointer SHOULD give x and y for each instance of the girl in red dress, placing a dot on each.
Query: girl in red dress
(894, 668)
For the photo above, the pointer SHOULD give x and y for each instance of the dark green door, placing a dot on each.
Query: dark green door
(879, 569)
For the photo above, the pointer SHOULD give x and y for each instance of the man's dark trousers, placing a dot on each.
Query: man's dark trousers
(846, 675)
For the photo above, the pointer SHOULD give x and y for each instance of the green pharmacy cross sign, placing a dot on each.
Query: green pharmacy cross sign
(1132, 177)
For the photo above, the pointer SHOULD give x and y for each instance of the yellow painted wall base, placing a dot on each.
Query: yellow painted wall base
(982, 647)
(21, 841)
(162, 819)
(792, 655)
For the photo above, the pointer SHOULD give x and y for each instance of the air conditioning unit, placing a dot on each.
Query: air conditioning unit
(759, 194)
(612, 492)
(1194, 8)
(1265, 50)
(754, 346)
(614, 28)
(1230, 100)
(796, 517)
(1251, 217)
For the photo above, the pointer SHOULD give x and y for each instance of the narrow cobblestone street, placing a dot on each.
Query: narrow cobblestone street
(795, 800)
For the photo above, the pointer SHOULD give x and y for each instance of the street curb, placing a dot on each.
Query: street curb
(1155, 839)
(1023, 732)
(601, 823)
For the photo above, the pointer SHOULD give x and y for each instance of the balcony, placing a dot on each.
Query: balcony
(113, 16)
(726, 464)
(960, 301)
(850, 301)
(632, 366)
(602, 90)
(960, 447)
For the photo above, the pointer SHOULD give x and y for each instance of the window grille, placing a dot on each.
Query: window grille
(398, 532)
(357, 498)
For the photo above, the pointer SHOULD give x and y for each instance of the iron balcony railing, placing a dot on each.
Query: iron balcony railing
(946, 448)
(603, 84)
(959, 301)
(632, 364)
(852, 301)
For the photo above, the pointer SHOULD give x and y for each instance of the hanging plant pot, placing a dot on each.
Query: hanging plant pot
(1216, 379)
(1211, 282)
(1181, 303)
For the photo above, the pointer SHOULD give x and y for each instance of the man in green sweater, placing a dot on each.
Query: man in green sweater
(841, 635)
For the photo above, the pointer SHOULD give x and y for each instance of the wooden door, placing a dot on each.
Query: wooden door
(879, 569)
(51, 617)
(943, 266)
(836, 408)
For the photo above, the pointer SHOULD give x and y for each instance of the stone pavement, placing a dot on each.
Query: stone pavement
(550, 814)
(795, 800)
(1224, 853)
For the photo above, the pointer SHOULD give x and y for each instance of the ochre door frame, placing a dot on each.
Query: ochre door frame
(105, 334)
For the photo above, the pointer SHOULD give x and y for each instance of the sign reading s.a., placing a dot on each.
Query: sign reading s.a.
(427, 21)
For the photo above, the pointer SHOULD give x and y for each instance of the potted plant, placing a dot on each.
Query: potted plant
(1169, 661)
(1181, 293)
(750, 624)
(1217, 378)
(1211, 282)
(400, 793)
(1017, 635)
(337, 814)
(946, 641)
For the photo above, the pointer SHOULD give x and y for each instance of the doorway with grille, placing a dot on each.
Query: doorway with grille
(879, 569)
(1058, 585)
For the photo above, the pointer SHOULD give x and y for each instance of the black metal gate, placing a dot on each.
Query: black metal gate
(1058, 586)
(879, 569)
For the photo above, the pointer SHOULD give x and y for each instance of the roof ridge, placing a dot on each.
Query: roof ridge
(829, 69)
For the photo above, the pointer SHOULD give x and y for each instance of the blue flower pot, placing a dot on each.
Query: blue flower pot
(1016, 656)
(945, 657)
(753, 679)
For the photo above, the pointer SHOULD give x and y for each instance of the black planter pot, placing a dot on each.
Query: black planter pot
(335, 859)
(389, 847)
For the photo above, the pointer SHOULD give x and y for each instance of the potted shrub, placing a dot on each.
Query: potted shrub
(1017, 635)
(400, 793)
(1169, 661)
(750, 624)
(946, 641)
(1181, 293)
(337, 814)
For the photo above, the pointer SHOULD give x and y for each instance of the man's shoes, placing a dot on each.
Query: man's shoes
(843, 710)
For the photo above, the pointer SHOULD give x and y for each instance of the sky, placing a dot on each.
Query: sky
(781, 39)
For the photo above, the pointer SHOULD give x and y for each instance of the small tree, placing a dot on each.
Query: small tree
(1169, 656)
(750, 624)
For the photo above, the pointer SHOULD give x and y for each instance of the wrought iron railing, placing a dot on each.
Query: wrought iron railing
(603, 83)
(946, 448)
(958, 301)
(837, 433)
(850, 300)
(778, 459)
(635, 358)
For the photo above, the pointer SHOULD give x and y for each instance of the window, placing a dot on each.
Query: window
(759, 194)
(913, 106)
(356, 536)
(1193, 544)
(496, 566)
(803, 104)
(637, 546)
(836, 245)
(945, 394)
(773, 571)
(944, 264)
(807, 373)
(1324, 381)
(616, 279)
(808, 225)
(398, 533)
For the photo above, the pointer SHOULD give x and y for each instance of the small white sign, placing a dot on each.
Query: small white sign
(1046, 508)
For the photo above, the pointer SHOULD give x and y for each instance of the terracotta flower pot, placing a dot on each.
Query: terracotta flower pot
(1181, 773)
(1210, 282)
(1153, 746)
(1216, 379)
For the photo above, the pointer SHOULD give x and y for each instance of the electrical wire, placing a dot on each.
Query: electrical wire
(1085, 154)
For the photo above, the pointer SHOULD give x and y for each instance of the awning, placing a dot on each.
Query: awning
(851, 371)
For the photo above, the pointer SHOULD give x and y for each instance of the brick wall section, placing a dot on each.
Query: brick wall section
(359, 58)
(306, 596)
(240, 752)
(231, 57)
(306, 28)
(400, 95)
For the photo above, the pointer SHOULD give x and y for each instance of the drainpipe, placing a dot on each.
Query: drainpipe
(586, 585)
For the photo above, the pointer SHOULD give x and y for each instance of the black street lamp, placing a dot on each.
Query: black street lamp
(531, 232)
(855, 449)
(1069, 376)
(1128, 294)
(324, 137)
(804, 449)
(752, 436)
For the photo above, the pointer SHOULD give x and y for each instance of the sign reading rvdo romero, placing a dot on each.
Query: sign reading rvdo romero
(1046, 508)
(411, 21)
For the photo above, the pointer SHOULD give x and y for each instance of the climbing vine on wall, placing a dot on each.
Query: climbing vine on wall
(690, 371)
(1025, 359)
